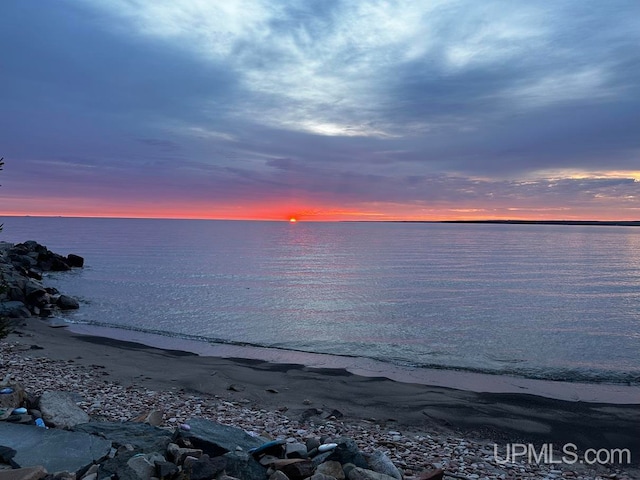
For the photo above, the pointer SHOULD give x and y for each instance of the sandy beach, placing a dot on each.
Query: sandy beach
(304, 395)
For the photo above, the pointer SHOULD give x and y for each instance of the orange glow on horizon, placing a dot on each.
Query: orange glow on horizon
(295, 212)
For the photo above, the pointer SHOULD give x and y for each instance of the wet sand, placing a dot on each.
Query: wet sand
(500, 417)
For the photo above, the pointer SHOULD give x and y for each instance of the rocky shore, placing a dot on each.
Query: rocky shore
(83, 408)
(22, 293)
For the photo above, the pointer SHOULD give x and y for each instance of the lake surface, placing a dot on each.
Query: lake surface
(537, 301)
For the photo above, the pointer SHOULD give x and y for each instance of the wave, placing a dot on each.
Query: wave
(512, 367)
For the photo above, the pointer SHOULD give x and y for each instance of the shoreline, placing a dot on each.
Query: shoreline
(477, 382)
(295, 388)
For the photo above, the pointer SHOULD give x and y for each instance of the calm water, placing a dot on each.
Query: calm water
(552, 302)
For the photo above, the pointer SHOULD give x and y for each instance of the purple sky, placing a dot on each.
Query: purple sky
(321, 109)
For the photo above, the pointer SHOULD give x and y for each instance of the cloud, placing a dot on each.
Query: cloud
(382, 101)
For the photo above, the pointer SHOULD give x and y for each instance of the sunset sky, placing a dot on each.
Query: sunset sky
(321, 110)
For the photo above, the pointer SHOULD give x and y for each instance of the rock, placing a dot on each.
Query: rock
(141, 436)
(358, 473)
(206, 468)
(66, 302)
(326, 447)
(296, 450)
(321, 476)
(13, 397)
(244, 466)
(118, 467)
(75, 260)
(278, 475)
(437, 474)
(179, 454)
(165, 470)
(27, 473)
(154, 417)
(275, 448)
(379, 462)
(14, 309)
(347, 452)
(298, 470)
(216, 439)
(142, 466)
(311, 443)
(60, 410)
(332, 469)
(6, 454)
(55, 450)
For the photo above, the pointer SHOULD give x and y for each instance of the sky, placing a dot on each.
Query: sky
(321, 109)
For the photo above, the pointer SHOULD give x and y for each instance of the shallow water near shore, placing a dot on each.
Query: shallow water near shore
(529, 301)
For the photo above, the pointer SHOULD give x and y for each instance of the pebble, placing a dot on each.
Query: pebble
(416, 452)
(326, 447)
(185, 426)
(19, 411)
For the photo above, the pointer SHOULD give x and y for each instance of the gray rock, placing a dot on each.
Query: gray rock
(321, 476)
(55, 450)
(332, 469)
(142, 466)
(14, 309)
(165, 470)
(27, 473)
(206, 468)
(216, 439)
(296, 450)
(142, 437)
(244, 466)
(60, 410)
(347, 452)
(179, 454)
(66, 302)
(278, 475)
(358, 473)
(75, 260)
(379, 462)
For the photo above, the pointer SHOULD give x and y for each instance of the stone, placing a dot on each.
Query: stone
(206, 468)
(321, 476)
(142, 466)
(141, 436)
(56, 450)
(332, 469)
(244, 466)
(60, 410)
(216, 439)
(66, 302)
(437, 474)
(311, 443)
(166, 470)
(379, 462)
(27, 473)
(296, 450)
(347, 452)
(13, 398)
(278, 475)
(14, 309)
(298, 470)
(358, 473)
(153, 417)
(179, 454)
(74, 260)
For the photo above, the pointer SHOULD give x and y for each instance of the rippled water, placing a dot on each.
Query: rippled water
(554, 302)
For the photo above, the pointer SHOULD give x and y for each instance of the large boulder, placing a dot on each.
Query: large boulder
(216, 439)
(141, 436)
(75, 260)
(56, 450)
(14, 309)
(65, 302)
(60, 410)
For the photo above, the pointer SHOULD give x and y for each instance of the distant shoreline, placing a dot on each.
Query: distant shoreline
(609, 223)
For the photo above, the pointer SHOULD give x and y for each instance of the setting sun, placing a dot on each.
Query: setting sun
(293, 220)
